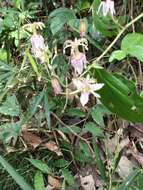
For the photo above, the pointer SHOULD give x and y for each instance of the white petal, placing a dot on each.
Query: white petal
(100, 7)
(77, 83)
(96, 95)
(84, 98)
(97, 86)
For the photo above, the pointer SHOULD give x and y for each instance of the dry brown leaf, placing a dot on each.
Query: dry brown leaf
(87, 182)
(139, 157)
(31, 139)
(54, 182)
(52, 146)
(125, 167)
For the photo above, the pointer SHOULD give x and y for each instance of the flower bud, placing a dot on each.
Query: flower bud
(56, 86)
(82, 28)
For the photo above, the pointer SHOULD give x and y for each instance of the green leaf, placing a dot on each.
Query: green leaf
(41, 166)
(3, 55)
(35, 103)
(9, 132)
(83, 154)
(17, 3)
(104, 25)
(56, 25)
(68, 177)
(118, 54)
(127, 182)
(75, 112)
(10, 106)
(92, 128)
(18, 179)
(47, 111)
(119, 95)
(140, 180)
(59, 17)
(61, 163)
(132, 44)
(99, 162)
(98, 112)
(5, 67)
(33, 64)
(39, 181)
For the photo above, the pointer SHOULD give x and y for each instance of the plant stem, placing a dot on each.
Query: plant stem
(114, 41)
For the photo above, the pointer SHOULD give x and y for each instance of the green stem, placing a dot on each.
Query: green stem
(114, 41)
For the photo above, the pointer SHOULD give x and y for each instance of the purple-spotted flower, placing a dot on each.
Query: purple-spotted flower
(86, 86)
(78, 62)
(77, 58)
(38, 47)
(56, 86)
(106, 7)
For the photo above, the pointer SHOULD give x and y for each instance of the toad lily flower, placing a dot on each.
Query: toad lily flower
(86, 86)
(106, 7)
(77, 58)
(38, 47)
(78, 61)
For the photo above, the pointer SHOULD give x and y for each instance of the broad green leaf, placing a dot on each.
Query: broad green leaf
(94, 129)
(17, 3)
(61, 163)
(99, 161)
(132, 44)
(59, 17)
(9, 132)
(39, 181)
(56, 24)
(65, 130)
(75, 112)
(127, 182)
(3, 55)
(10, 106)
(41, 166)
(68, 177)
(119, 95)
(18, 179)
(118, 54)
(98, 112)
(83, 154)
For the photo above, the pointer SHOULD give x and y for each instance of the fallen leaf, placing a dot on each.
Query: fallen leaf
(125, 167)
(54, 182)
(52, 146)
(31, 139)
(87, 182)
(139, 157)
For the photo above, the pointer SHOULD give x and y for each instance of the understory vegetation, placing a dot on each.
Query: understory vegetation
(71, 94)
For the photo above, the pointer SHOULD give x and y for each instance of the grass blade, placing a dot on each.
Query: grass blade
(99, 162)
(128, 180)
(19, 179)
(46, 107)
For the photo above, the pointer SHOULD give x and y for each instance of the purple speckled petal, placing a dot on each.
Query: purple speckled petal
(79, 63)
